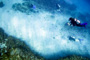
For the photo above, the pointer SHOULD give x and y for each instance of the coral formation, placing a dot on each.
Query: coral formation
(12, 48)
(25, 7)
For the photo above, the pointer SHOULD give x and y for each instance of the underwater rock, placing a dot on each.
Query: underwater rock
(1, 4)
(17, 49)
(12, 48)
(25, 7)
(3, 35)
(74, 57)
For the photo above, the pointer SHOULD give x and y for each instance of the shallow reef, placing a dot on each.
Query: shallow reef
(74, 57)
(12, 48)
(25, 7)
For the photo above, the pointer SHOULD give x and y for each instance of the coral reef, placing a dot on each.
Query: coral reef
(73, 57)
(26, 7)
(15, 49)
(12, 48)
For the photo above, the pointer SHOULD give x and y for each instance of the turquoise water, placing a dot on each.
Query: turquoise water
(46, 31)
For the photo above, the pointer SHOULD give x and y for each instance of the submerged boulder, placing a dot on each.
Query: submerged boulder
(1, 4)
(25, 7)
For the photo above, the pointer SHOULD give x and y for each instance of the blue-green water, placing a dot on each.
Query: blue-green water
(46, 32)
